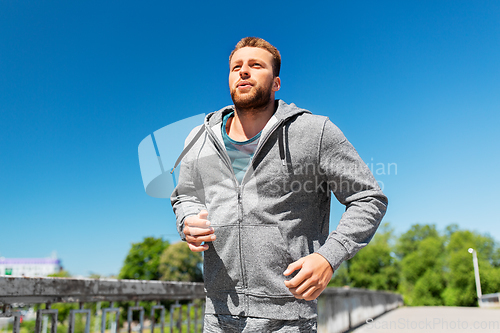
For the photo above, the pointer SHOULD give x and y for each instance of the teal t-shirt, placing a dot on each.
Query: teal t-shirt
(240, 152)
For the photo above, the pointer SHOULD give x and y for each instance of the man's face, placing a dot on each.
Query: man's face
(251, 80)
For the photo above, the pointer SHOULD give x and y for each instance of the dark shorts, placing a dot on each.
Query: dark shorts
(236, 324)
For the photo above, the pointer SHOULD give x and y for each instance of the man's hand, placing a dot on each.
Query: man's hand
(313, 277)
(197, 230)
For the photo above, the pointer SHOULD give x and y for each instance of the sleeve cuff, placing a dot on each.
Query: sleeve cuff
(334, 252)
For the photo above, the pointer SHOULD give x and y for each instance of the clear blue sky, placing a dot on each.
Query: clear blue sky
(415, 83)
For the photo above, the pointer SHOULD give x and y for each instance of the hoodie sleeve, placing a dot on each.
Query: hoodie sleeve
(354, 186)
(186, 199)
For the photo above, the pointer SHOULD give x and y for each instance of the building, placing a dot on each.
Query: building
(29, 267)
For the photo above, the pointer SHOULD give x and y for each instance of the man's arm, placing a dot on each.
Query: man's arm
(187, 199)
(355, 187)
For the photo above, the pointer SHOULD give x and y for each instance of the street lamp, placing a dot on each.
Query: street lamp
(476, 273)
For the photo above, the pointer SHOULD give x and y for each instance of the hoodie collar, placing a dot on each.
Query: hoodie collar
(284, 111)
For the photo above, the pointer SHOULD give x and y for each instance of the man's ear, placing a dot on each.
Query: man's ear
(276, 83)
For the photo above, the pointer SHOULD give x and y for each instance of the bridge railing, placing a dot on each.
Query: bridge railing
(490, 301)
(343, 309)
(18, 292)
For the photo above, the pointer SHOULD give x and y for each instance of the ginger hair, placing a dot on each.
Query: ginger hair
(262, 44)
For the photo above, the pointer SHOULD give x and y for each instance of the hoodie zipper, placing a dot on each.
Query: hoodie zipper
(240, 205)
(223, 153)
(239, 187)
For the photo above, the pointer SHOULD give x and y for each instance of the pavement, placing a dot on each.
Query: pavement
(434, 319)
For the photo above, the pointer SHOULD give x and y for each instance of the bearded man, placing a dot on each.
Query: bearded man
(254, 194)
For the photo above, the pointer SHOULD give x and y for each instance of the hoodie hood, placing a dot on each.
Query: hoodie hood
(283, 112)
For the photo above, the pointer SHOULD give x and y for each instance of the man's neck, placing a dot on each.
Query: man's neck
(247, 123)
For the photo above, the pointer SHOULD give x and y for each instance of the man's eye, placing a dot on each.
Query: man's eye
(235, 68)
(257, 65)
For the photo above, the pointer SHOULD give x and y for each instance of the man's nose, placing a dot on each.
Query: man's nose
(245, 71)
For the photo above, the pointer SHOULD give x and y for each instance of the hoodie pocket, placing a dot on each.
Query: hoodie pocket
(266, 256)
(221, 265)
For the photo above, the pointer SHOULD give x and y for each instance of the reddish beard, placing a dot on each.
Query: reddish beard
(258, 98)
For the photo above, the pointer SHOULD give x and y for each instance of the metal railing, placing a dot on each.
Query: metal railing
(18, 292)
(490, 300)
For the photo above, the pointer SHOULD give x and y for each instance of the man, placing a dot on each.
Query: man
(254, 195)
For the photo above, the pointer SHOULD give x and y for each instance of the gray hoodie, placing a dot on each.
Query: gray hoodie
(280, 211)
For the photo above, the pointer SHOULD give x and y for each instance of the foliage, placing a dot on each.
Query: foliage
(155, 259)
(179, 263)
(61, 273)
(340, 277)
(410, 240)
(143, 260)
(427, 267)
(461, 286)
(179, 315)
(421, 269)
(428, 289)
(28, 326)
(374, 267)
(142, 263)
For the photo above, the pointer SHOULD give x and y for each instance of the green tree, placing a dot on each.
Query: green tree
(426, 267)
(340, 277)
(427, 256)
(179, 263)
(428, 289)
(496, 258)
(143, 260)
(460, 282)
(375, 266)
(421, 253)
(62, 273)
(142, 263)
(410, 240)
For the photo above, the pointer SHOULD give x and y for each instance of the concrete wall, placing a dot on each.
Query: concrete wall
(340, 309)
